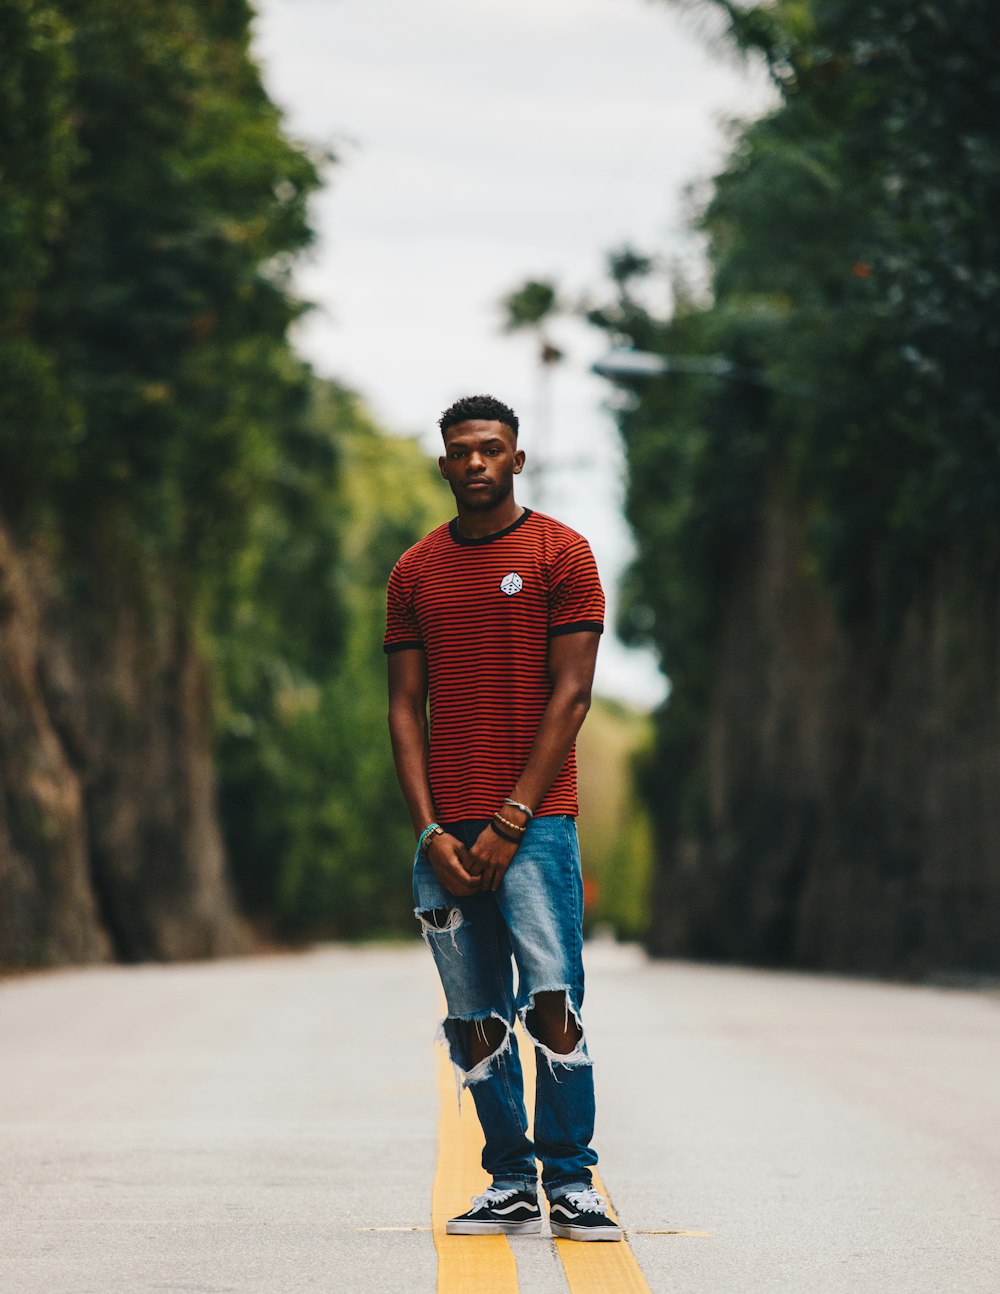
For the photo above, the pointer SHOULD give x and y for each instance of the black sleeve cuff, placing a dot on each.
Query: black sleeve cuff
(391, 647)
(577, 626)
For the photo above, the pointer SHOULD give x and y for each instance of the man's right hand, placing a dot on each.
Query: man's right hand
(449, 859)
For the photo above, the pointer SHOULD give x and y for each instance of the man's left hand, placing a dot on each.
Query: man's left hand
(490, 857)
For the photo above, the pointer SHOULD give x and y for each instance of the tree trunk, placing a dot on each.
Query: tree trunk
(109, 843)
(843, 807)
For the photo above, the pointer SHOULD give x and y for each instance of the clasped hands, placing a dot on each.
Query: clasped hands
(463, 871)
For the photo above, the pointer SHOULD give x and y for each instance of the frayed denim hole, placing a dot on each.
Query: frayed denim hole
(481, 1071)
(440, 921)
(449, 1033)
(570, 1059)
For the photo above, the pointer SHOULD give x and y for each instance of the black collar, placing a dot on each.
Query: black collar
(485, 539)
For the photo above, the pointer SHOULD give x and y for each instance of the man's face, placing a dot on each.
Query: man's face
(479, 462)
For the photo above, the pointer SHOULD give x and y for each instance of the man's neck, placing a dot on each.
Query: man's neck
(479, 525)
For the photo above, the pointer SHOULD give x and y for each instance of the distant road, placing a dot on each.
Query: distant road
(270, 1126)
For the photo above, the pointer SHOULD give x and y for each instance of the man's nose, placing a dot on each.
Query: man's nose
(476, 462)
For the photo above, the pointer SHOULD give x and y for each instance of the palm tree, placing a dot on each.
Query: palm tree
(531, 308)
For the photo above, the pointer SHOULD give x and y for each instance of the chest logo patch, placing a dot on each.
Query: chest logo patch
(511, 584)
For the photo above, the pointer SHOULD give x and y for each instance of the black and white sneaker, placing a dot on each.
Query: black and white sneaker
(498, 1213)
(582, 1215)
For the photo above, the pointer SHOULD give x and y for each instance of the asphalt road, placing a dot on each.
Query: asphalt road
(270, 1126)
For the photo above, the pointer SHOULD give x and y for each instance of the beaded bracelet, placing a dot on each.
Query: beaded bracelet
(516, 804)
(506, 835)
(433, 829)
(498, 817)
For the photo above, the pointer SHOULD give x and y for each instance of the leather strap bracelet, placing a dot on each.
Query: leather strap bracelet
(506, 835)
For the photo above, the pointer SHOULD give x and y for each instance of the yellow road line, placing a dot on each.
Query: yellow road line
(466, 1265)
(527, 1051)
(485, 1264)
(601, 1267)
(595, 1267)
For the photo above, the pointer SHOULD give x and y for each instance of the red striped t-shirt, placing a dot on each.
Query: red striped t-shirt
(483, 611)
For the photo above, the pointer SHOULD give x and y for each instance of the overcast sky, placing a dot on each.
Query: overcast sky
(480, 143)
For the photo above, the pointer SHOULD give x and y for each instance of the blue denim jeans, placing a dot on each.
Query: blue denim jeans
(534, 920)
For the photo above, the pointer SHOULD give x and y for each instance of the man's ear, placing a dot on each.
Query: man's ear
(441, 462)
(518, 461)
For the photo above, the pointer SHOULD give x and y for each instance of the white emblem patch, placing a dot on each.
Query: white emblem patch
(512, 584)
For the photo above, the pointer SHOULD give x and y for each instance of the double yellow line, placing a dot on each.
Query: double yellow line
(485, 1264)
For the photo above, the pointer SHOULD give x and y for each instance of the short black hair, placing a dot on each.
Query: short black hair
(478, 408)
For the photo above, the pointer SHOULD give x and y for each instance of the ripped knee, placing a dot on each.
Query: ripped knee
(553, 1024)
(550, 1021)
(439, 921)
(484, 1038)
(476, 1043)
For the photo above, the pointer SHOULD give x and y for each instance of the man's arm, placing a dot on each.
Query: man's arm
(572, 658)
(408, 729)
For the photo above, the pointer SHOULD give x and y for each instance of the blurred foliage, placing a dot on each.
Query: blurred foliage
(529, 305)
(156, 427)
(319, 839)
(155, 209)
(615, 829)
(39, 153)
(855, 269)
(531, 308)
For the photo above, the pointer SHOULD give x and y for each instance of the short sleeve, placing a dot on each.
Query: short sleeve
(576, 599)
(401, 627)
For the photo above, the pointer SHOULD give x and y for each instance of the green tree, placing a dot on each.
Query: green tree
(38, 154)
(154, 293)
(317, 831)
(531, 309)
(152, 208)
(854, 274)
(854, 268)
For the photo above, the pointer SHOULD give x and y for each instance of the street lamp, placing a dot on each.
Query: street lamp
(624, 363)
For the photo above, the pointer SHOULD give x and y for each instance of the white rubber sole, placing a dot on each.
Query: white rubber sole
(493, 1228)
(568, 1232)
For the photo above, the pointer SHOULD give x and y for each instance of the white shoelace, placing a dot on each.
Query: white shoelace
(490, 1197)
(587, 1201)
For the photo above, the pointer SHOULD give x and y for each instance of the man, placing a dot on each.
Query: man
(496, 616)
